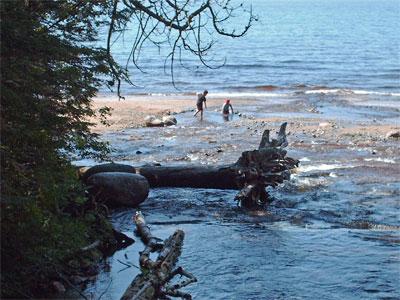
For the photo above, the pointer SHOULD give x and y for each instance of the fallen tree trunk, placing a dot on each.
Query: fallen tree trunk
(152, 283)
(251, 174)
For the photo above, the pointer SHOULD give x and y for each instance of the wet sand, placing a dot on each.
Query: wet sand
(130, 113)
(303, 118)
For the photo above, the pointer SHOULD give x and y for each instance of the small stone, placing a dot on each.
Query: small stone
(373, 152)
(220, 150)
(139, 152)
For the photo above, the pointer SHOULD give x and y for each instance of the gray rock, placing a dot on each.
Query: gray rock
(149, 118)
(393, 134)
(152, 121)
(169, 120)
(118, 188)
(86, 172)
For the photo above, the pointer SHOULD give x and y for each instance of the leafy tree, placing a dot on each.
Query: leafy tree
(50, 71)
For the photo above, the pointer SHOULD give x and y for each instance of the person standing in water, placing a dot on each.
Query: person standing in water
(225, 109)
(200, 99)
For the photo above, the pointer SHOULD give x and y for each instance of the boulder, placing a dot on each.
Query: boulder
(393, 134)
(86, 172)
(169, 120)
(152, 121)
(118, 188)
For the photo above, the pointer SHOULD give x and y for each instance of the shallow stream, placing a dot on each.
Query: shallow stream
(332, 231)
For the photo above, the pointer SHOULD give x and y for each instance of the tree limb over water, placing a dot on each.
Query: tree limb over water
(184, 25)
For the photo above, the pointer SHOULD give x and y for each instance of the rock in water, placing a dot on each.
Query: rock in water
(152, 121)
(118, 188)
(85, 173)
(393, 134)
(169, 120)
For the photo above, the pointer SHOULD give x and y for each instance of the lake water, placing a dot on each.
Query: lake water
(332, 231)
(296, 45)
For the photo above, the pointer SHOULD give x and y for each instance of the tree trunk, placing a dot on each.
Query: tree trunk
(251, 174)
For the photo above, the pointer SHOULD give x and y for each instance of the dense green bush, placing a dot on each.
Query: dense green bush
(50, 70)
(48, 77)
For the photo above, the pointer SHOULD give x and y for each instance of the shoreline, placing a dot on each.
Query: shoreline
(130, 113)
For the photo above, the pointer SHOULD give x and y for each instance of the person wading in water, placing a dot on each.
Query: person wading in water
(201, 98)
(225, 109)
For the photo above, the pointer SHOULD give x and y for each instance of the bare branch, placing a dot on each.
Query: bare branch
(171, 22)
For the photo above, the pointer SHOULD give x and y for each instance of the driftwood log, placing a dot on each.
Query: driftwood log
(251, 174)
(152, 283)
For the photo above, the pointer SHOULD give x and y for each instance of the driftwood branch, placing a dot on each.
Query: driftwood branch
(152, 283)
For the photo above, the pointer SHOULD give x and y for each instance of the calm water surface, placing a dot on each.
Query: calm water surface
(296, 44)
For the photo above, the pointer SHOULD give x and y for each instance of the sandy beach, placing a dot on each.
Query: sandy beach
(304, 118)
(323, 129)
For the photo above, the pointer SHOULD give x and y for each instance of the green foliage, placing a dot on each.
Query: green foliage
(49, 73)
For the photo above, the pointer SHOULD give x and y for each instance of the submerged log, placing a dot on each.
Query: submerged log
(152, 283)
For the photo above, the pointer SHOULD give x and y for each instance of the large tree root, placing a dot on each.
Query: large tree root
(152, 283)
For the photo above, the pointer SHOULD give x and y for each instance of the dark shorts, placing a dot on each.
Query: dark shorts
(199, 106)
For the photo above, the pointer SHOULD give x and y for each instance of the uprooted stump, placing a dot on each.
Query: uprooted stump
(152, 283)
(251, 174)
